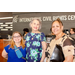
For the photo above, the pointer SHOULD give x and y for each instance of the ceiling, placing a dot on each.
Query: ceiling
(9, 14)
(5, 14)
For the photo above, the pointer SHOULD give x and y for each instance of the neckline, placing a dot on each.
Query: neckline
(61, 37)
(34, 33)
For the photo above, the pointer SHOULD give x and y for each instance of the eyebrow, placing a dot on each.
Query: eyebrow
(54, 25)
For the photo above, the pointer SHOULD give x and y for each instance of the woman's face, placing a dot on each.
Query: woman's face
(57, 28)
(35, 25)
(71, 31)
(17, 38)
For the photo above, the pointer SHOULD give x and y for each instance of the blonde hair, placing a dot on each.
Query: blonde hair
(13, 43)
(37, 20)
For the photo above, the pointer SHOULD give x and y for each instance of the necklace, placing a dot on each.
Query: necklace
(39, 34)
(33, 37)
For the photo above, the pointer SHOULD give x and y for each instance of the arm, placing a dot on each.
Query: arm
(44, 45)
(46, 60)
(68, 50)
(68, 58)
(4, 54)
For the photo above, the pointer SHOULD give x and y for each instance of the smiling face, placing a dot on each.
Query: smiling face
(71, 31)
(56, 28)
(17, 38)
(35, 25)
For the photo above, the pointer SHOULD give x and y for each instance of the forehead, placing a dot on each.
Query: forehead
(35, 21)
(16, 34)
(71, 29)
(55, 23)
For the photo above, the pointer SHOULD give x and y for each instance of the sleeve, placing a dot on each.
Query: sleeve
(43, 38)
(68, 48)
(7, 48)
(25, 52)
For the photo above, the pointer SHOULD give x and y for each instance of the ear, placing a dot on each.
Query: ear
(62, 28)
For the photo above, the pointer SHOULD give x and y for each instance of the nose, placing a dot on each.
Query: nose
(54, 27)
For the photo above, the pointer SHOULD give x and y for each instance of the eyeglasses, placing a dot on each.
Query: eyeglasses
(16, 36)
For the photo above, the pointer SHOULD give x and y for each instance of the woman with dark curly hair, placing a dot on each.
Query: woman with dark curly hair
(72, 33)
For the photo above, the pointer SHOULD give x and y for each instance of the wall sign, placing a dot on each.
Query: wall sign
(44, 18)
(22, 20)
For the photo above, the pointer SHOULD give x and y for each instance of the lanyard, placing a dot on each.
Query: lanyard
(18, 53)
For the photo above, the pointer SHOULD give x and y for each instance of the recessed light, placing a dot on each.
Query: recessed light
(8, 23)
(4, 25)
(6, 17)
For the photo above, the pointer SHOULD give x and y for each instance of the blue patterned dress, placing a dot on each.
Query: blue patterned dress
(34, 46)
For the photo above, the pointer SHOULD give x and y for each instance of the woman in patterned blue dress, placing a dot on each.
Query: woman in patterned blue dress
(35, 43)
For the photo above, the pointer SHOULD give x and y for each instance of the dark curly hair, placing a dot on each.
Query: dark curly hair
(26, 29)
(73, 29)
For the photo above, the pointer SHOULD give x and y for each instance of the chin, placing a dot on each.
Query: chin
(55, 33)
(35, 30)
(16, 41)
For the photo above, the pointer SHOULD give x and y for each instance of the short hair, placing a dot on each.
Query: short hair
(37, 20)
(60, 22)
(26, 29)
(73, 29)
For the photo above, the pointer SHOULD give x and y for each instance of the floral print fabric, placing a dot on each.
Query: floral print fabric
(34, 46)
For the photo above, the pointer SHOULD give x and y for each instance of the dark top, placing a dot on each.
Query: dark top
(34, 46)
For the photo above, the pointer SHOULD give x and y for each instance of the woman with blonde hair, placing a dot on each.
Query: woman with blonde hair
(10, 52)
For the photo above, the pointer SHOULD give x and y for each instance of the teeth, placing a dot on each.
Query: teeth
(55, 31)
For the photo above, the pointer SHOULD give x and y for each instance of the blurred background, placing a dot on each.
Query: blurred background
(17, 21)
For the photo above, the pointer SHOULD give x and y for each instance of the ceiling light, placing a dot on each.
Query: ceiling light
(8, 27)
(1, 23)
(4, 25)
(4, 29)
(11, 29)
(8, 23)
(1, 27)
(11, 25)
(6, 17)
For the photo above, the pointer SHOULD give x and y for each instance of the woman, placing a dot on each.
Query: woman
(9, 51)
(35, 43)
(72, 33)
(62, 42)
(26, 30)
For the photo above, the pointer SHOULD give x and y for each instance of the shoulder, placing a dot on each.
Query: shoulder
(42, 34)
(72, 36)
(67, 40)
(7, 46)
(28, 34)
(52, 41)
(22, 49)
